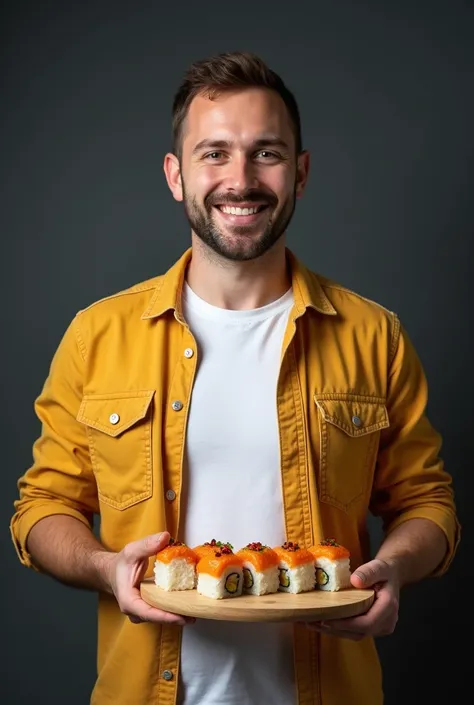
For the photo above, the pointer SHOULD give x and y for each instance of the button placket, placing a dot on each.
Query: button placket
(176, 416)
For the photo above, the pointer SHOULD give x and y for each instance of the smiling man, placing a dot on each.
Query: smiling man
(243, 397)
(239, 188)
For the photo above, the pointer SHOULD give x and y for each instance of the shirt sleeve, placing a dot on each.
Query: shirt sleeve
(411, 480)
(60, 479)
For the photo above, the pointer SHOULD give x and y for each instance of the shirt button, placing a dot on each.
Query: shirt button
(114, 418)
(177, 405)
(167, 675)
(170, 495)
(357, 421)
(189, 352)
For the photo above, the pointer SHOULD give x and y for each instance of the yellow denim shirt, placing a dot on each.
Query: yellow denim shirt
(353, 433)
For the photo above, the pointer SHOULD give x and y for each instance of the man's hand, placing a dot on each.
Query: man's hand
(125, 570)
(382, 617)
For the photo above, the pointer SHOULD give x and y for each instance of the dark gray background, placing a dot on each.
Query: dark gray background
(386, 97)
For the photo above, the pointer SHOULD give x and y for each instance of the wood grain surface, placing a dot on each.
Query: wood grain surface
(277, 607)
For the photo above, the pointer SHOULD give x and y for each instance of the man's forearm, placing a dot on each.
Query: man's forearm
(416, 548)
(67, 550)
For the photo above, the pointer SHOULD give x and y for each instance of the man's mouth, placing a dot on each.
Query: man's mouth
(239, 210)
(245, 214)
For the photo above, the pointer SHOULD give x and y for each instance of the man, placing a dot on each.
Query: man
(240, 397)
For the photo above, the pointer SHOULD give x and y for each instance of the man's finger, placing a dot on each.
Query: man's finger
(164, 617)
(143, 612)
(384, 610)
(365, 623)
(146, 547)
(370, 573)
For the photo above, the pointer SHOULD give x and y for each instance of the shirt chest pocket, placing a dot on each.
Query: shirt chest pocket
(119, 429)
(350, 427)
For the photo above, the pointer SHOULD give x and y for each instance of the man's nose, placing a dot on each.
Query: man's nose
(241, 174)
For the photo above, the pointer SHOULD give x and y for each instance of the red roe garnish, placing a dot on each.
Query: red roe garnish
(173, 542)
(256, 546)
(329, 542)
(220, 546)
(290, 546)
(224, 550)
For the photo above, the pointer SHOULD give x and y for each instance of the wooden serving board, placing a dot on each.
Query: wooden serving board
(277, 607)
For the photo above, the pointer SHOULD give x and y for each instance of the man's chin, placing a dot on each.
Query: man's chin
(243, 250)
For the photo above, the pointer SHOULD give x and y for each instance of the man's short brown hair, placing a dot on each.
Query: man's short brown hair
(225, 72)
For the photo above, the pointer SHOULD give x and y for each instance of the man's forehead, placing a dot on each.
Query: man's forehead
(248, 115)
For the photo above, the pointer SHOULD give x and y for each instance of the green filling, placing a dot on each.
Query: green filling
(284, 577)
(322, 578)
(232, 583)
(248, 578)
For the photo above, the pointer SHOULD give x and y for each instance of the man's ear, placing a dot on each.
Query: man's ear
(302, 171)
(172, 171)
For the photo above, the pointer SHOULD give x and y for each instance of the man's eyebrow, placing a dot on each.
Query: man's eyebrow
(265, 141)
(211, 144)
(270, 141)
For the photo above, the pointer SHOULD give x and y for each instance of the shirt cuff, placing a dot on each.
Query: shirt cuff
(21, 526)
(446, 521)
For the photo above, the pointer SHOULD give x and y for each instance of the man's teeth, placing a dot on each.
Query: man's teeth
(232, 210)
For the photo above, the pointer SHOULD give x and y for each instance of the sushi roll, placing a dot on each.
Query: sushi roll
(208, 549)
(332, 565)
(296, 568)
(220, 574)
(260, 569)
(175, 567)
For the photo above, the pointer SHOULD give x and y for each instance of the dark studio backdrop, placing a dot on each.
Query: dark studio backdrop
(386, 96)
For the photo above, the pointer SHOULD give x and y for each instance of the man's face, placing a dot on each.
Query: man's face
(239, 171)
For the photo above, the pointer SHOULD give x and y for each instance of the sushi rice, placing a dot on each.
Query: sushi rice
(296, 579)
(332, 575)
(229, 584)
(178, 574)
(260, 582)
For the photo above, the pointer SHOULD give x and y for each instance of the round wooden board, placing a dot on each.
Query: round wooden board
(277, 607)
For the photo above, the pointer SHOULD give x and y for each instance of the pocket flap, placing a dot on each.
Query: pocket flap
(355, 415)
(114, 413)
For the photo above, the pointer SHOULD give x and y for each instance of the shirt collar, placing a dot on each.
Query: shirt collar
(307, 290)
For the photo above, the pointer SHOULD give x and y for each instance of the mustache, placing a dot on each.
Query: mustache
(250, 196)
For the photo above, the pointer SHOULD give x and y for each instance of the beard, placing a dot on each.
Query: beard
(243, 242)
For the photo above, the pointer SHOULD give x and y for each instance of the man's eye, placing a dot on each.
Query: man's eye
(267, 155)
(214, 155)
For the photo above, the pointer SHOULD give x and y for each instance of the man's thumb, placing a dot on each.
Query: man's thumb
(368, 574)
(148, 546)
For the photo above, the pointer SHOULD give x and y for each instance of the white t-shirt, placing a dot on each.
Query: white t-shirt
(232, 492)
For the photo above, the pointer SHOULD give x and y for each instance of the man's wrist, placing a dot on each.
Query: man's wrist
(103, 565)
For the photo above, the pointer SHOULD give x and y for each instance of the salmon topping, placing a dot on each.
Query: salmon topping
(329, 548)
(216, 565)
(177, 550)
(293, 555)
(210, 547)
(260, 556)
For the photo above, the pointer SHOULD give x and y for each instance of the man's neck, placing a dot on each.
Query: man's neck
(238, 285)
